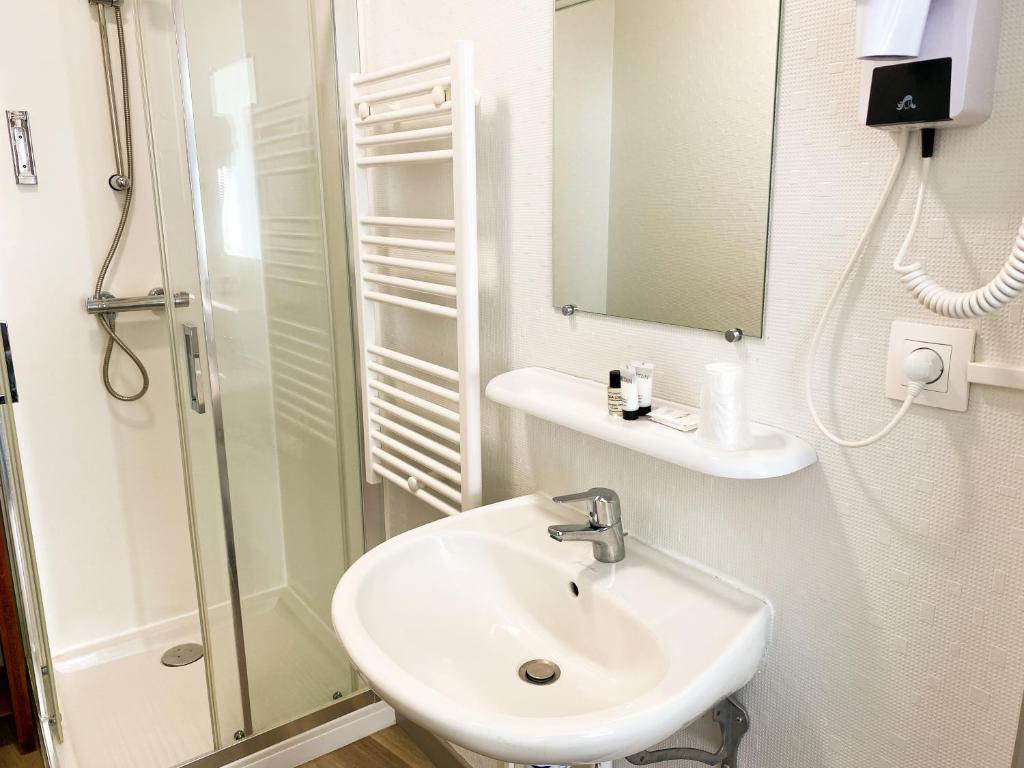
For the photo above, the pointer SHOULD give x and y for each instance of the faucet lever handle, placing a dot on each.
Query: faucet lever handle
(602, 505)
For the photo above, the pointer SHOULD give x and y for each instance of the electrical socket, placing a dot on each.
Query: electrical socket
(956, 348)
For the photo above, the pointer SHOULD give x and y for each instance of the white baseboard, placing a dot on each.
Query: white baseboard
(322, 740)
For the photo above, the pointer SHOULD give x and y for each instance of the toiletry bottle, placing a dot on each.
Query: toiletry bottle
(614, 393)
(630, 397)
(644, 384)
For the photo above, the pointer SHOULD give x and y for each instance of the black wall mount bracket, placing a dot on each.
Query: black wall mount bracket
(733, 722)
(5, 350)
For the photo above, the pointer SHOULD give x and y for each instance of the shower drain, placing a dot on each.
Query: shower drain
(539, 672)
(182, 655)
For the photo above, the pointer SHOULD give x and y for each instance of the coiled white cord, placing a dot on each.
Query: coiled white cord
(1000, 291)
(915, 388)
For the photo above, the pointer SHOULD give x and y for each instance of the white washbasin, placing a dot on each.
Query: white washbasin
(440, 619)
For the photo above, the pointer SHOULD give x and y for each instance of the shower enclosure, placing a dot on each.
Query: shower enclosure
(236, 112)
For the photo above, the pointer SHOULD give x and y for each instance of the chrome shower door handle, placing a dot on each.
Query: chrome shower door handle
(193, 364)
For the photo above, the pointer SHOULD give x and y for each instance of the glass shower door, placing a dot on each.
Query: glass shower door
(268, 412)
(21, 556)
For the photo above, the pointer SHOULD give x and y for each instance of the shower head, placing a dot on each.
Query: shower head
(891, 29)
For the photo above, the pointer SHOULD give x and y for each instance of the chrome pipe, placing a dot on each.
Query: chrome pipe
(154, 301)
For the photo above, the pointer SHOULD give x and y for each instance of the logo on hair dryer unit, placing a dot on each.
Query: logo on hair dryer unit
(907, 102)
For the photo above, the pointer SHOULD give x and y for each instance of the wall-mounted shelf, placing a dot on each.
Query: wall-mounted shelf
(581, 404)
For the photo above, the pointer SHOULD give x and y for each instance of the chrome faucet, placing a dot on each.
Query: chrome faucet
(605, 528)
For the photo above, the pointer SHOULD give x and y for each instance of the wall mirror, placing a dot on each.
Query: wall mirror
(664, 120)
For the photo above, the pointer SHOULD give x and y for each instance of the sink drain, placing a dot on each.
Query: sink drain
(539, 672)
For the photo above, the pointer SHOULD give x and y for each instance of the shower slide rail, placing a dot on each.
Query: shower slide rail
(421, 418)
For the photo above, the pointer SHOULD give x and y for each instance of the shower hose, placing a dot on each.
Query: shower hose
(107, 321)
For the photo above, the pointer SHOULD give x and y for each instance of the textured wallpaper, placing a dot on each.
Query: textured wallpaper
(897, 571)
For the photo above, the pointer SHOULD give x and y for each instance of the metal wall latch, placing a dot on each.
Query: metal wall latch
(6, 347)
(734, 723)
(22, 154)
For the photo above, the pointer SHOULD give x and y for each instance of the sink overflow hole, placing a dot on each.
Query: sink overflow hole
(574, 589)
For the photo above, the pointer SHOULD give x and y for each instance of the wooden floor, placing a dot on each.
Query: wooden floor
(389, 748)
(9, 757)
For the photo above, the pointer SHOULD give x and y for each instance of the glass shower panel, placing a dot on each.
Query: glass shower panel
(267, 164)
(21, 549)
(168, 108)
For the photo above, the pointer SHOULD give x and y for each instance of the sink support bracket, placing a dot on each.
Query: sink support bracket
(733, 721)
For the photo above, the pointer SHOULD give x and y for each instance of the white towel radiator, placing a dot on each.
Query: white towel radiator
(421, 420)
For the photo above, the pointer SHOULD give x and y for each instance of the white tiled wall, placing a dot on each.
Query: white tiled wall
(897, 571)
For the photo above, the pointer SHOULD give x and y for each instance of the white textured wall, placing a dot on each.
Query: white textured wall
(897, 571)
(105, 487)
